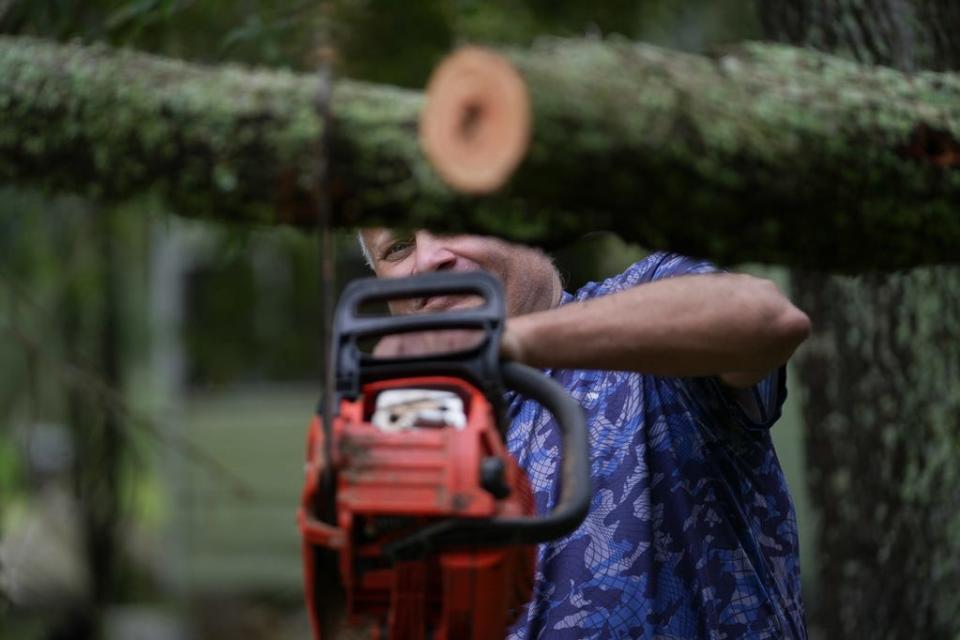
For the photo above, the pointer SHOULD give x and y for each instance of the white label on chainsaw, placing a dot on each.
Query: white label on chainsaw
(399, 409)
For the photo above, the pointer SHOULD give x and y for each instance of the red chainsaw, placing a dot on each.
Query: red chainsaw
(410, 494)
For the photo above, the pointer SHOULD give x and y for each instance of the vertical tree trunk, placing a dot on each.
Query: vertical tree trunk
(881, 375)
(882, 380)
(91, 331)
(104, 511)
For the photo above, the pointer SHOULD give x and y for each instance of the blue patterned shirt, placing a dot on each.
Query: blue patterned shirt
(691, 532)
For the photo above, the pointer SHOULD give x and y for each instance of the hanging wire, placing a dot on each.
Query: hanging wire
(328, 273)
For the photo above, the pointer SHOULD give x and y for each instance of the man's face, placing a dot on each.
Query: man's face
(529, 279)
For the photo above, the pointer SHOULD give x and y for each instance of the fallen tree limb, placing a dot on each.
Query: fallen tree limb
(228, 143)
(762, 153)
(802, 157)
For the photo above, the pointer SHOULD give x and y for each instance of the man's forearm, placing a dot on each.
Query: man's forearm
(731, 325)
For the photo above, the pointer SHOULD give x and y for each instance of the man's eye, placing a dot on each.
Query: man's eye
(397, 250)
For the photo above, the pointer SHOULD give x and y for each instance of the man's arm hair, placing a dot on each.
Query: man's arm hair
(734, 326)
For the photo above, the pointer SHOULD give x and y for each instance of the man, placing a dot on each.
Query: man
(680, 369)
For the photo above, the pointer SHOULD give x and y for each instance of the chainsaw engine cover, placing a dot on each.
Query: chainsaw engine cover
(408, 454)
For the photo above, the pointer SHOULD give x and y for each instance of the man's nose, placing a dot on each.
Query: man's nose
(433, 253)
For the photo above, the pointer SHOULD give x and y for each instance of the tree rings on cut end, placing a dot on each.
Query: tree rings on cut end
(475, 126)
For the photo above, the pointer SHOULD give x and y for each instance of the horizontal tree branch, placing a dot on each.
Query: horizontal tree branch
(760, 153)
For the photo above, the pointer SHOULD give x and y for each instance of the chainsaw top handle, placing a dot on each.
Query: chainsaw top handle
(479, 364)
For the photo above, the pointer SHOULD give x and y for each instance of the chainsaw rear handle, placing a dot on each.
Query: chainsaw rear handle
(575, 487)
(478, 364)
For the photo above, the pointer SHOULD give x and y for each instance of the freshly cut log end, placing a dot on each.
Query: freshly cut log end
(475, 126)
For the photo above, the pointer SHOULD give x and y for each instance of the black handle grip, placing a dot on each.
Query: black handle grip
(575, 486)
(479, 364)
(367, 290)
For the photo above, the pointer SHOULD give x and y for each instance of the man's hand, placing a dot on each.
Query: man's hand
(423, 343)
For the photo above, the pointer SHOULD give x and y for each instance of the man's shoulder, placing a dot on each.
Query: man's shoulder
(655, 266)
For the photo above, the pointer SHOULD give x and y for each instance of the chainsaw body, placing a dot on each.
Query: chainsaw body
(393, 483)
(410, 487)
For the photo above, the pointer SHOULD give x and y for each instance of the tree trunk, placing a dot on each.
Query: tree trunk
(91, 333)
(761, 153)
(882, 380)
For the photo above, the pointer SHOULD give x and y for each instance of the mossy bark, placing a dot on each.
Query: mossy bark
(801, 157)
(881, 389)
(227, 143)
(761, 152)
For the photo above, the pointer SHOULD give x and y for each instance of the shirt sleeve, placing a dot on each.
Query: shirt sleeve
(653, 267)
(754, 408)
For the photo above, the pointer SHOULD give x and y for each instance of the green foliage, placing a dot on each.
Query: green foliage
(255, 308)
(39, 246)
(277, 33)
(595, 257)
(400, 42)
(373, 39)
(379, 40)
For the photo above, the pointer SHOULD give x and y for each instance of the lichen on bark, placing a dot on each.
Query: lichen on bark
(759, 152)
